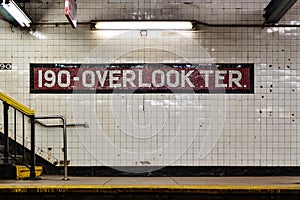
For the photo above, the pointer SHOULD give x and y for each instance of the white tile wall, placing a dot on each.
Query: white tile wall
(257, 129)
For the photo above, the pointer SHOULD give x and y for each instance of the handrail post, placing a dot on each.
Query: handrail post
(65, 148)
(32, 151)
(6, 138)
(15, 132)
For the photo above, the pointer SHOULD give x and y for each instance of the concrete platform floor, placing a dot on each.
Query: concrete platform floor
(197, 185)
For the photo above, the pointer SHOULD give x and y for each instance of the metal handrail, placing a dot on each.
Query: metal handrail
(17, 105)
(85, 125)
(64, 126)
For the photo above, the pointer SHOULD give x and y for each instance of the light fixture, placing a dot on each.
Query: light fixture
(13, 13)
(276, 9)
(142, 25)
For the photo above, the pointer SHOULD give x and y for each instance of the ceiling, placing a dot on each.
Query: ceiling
(207, 11)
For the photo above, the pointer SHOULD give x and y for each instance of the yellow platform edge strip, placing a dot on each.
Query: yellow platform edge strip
(14, 103)
(201, 189)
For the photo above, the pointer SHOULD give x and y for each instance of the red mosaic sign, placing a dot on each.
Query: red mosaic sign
(142, 78)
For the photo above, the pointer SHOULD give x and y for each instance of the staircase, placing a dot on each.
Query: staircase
(18, 154)
(15, 161)
(14, 168)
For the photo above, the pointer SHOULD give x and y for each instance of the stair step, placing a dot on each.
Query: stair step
(11, 157)
(11, 160)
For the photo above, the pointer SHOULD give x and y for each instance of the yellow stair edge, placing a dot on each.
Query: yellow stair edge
(24, 172)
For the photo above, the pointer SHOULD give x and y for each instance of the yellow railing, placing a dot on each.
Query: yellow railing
(17, 105)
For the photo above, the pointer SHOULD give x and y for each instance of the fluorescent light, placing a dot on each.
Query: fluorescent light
(143, 25)
(13, 9)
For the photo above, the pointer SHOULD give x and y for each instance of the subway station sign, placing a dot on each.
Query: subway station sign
(5, 66)
(142, 78)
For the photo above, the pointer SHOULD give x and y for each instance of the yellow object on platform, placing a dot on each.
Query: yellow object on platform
(17, 105)
(24, 172)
